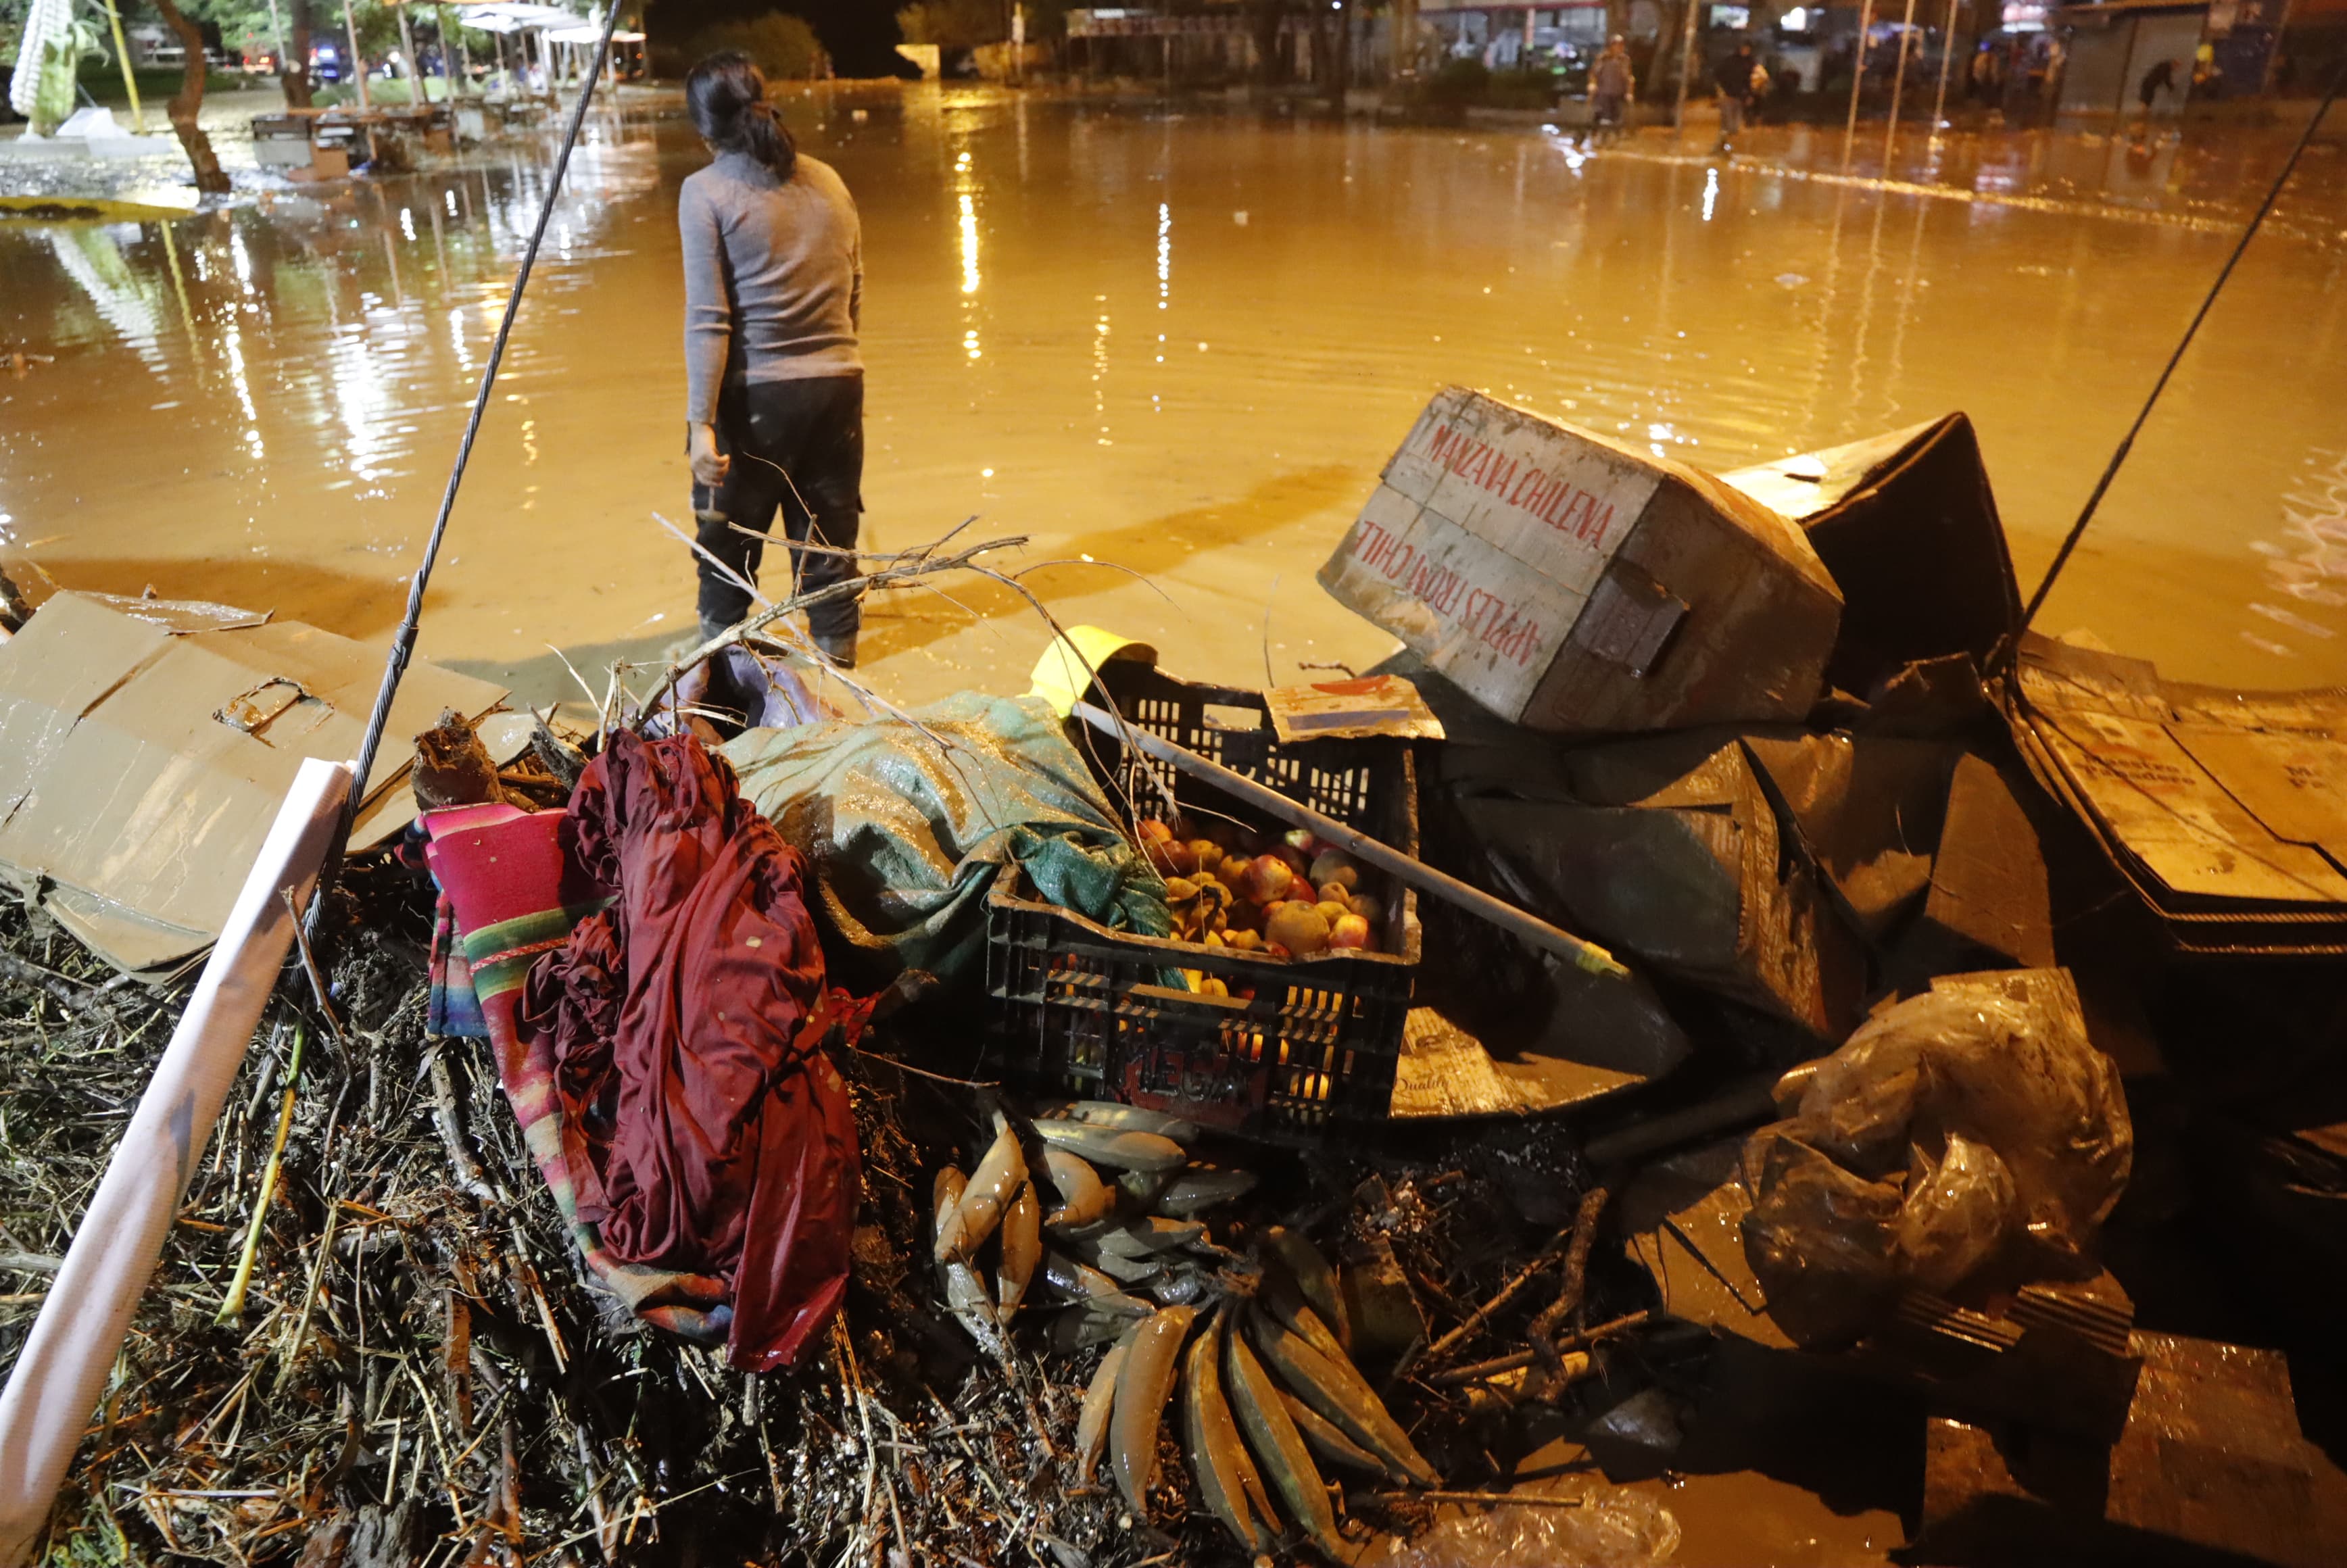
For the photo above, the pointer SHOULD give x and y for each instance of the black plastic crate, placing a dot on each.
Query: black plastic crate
(1101, 1014)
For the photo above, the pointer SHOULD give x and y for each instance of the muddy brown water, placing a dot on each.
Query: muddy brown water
(1179, 344)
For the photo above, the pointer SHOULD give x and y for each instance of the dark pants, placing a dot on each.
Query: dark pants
(797, 446)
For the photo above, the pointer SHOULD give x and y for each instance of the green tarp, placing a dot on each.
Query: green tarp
(905, 831)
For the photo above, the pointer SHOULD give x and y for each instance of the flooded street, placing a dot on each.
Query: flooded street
(1182, 344)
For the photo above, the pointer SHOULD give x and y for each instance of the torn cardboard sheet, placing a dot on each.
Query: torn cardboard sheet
(1569, 584)
(2227, 810)
(1683, 1219)
(140, 765)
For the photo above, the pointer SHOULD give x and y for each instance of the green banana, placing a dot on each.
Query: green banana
(1127, 1151)
(965, 1292)
(944, 1197)
(965, 1296)
(1066, 1278)
(1217, 1458)
(1126, 1270)
(1199, 1187)
(1147, 1235)
(1077, 1328)
(1100, 1397)
(993, 1185)
(1315, 1278)
(1338, 1392)
(1280, 1296)
(1144, 1186)
(1083, 1196)
(1143, 1387)
(1022, 1248)
(1287, 1464)
(1180, 1285)
(1122, 1118)
(1321, 1435)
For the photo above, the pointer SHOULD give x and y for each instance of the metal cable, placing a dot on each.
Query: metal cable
(402, 643)
(2062, 555)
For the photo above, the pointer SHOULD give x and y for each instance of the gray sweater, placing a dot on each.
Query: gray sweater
(773, 277)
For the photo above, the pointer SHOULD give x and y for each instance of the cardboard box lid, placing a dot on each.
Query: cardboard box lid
(2218, 797)
(140, 768)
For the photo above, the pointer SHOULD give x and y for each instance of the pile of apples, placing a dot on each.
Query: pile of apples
(1290, 897)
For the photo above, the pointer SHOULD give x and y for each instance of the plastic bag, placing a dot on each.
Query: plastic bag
(1959, 1212)
(1822, 1240)
(1982, 1109)
(1610, 1528)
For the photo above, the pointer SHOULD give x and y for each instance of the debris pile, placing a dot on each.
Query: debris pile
(1138, 1121)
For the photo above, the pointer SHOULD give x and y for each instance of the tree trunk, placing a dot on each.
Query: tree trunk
(1265, 21)
(293, 71)
(189, 100)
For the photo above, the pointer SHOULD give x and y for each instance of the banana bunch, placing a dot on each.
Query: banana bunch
(1267, 1396)
(1255, 1348)
(1119, 1233)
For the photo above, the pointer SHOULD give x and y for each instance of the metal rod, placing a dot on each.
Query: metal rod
(122, 53)
(2127, 443)
(403, 642)
(1587, 956)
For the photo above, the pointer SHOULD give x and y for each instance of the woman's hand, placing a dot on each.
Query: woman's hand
(710, 467)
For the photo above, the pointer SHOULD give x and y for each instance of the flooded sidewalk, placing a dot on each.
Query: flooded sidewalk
(1179, 344)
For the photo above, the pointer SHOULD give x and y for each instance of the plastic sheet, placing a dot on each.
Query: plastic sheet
(1967, 1125)
(905, 829)
(1610, 1528)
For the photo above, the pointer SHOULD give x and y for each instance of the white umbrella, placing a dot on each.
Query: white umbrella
(516, 16)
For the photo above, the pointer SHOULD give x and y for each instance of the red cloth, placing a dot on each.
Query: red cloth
(703, 1130)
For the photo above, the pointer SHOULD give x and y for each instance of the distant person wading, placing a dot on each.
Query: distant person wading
(774, 287)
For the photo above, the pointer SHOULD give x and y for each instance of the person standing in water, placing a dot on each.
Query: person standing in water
(1739, 85)
(1612, 81)
(774, 296)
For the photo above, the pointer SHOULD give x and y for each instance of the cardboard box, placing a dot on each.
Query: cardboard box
(1569, 584)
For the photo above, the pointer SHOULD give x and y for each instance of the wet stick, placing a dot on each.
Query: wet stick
(232, 1307)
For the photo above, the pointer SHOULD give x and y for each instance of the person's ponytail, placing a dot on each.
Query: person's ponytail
(765, 138)
(727, 96)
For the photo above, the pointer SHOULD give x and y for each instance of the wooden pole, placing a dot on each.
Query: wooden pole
(463, 70)
(1687, 65)
(1530, 928)
(358, 61)
(1857, 79)
(415, 71)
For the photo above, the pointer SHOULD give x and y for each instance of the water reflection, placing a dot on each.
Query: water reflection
(309, 366)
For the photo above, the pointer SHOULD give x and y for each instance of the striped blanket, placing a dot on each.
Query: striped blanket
(516, 895)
